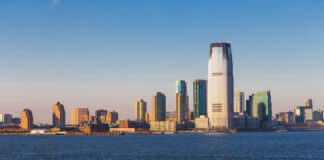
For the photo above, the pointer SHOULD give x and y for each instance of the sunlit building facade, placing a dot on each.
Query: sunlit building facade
(27, 119)
(220, 86)
(239, 102)
(302, 114)
(112, 117)
(79, 114)
(58, 115)
(140, 110)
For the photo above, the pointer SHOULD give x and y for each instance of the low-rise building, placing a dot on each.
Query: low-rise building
(112, 117)
(133, 124)
(39, 131)
(302, 114)
(318, 115)
(202, 122)
(16, 121)
(127, 130)
(246, 122)
(89, 127)
(5, 119)
(282, 117)
(163, 126)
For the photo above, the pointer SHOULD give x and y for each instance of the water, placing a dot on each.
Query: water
(287, 145)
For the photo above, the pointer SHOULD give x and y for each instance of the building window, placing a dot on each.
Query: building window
(217, 107)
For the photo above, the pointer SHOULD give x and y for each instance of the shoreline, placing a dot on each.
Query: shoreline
(150, 133)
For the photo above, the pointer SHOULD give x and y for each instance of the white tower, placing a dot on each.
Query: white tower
(220, 86)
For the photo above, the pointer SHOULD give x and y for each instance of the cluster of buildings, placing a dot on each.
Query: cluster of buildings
(81, 120)
(215, 107)
(301, 118)
(215, 104)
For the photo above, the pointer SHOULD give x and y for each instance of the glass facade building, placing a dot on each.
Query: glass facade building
(182, 106)
(159, 107)
(260, 106)
(199, 98)
(220, 86)
(181, 87)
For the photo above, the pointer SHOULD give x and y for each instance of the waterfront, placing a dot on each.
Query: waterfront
(258, 145)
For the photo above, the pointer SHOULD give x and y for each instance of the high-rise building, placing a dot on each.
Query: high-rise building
(140, 110)
(159, 108)
(239, 102)
(199, 98)
(260, 107)
(100, 115)
(182, 108)
(220, 86)
(308, 103)
(78, 115)
(5, 118)
(27, 119)
(112, 117)
(58, 115)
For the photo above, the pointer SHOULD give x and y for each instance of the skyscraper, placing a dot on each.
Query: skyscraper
(27, 119)
(159, 107)
(140, 110)
(182, 102)
(261, 108)
(199, 98)
(78, 115)
(220, 86)
(239, 102)
(58, 115)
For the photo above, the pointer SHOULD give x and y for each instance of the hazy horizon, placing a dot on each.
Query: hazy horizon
(108, 54)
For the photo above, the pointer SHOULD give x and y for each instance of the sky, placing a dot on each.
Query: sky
(109, 53)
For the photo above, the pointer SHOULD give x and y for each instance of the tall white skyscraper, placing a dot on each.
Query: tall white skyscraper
(220, 86)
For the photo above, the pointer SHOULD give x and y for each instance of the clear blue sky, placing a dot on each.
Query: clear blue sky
(109, 53)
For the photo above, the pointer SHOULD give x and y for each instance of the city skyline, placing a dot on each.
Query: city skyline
(48, 57)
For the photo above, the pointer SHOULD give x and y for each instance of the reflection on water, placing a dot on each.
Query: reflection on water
(268, 145)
